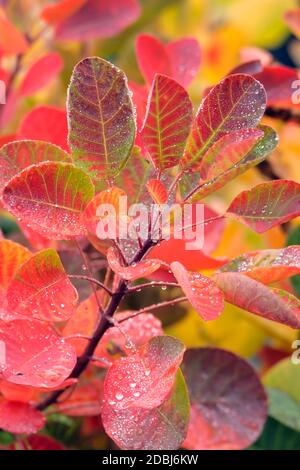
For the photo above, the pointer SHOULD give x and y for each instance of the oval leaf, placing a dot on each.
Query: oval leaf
(202, 292)
(228, 402)
(50, 198)
(41, 289)
(237, 102)
(251, 295)
(20, 418)
(267, 205)
(16, 156)
(167, 122)
(146, 378)
(101, 117)
(34, 354)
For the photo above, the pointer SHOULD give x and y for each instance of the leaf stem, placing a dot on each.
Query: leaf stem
(91, 279)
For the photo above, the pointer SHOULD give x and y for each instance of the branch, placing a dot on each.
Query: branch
(105, 323)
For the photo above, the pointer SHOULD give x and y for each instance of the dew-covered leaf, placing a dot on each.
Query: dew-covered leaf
(162, 428)
(41, 289)
(133, 271)
(237, 102)
(144, 379)
(249, 294)
(167, 123)
(20, 418)
(101, 117)
(50, 198)
(228, 402)
(201, 291)
(34, 354)
(228, 169)
(45, 123)
(41, 73)
(15, 156)
(98, 19)
(267, 266)
(128, 335)
(267, 205)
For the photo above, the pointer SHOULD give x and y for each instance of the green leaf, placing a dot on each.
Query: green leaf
(283, 408)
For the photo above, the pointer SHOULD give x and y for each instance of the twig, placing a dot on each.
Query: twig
(91, 279)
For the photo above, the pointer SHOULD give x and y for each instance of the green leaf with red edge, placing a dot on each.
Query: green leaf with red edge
(34, 354)
(253, 296)
(167, 123)
(46, 123)
(162, 428)
(41, 72)
(134, 271)
(201, 291)
(16, 156)
(12, 255)
(128, 335)
(144, 379)
(228, 402)
(20, 418)
(96, 19)
(267, 205)
(101, 117)
(222, 174)
(50, 198)
(237, 102)
(267, 266)
(228, 151)
(41, 289)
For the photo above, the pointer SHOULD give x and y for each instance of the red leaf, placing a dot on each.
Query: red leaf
(251, 295)
(227, 152)
(267, 205)
(146, 378)
(41, 289)
(162, 428)
(99, 19)
(100, 116)
(128, 335)
(267, 266)
(16, 156)
(278, 81)
(34, 354)
(167, 123)
(12, 42)
(60, 11)
(185, 56)
(45, 123)
(179, 60)
(38, 442)
(50, 198)
(83, 322)
(86, 400)
(237, 102)
(12, 255)
(157, 191)
(20, 418)
(41, 73)
(133, 271)
(15, 392)
(201, 292)
(228, 402)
